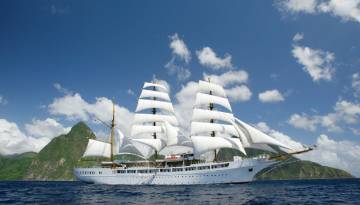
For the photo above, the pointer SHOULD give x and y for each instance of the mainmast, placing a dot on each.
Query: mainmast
(211, 128)
(112, 133)
(211, 107)
(154, 123)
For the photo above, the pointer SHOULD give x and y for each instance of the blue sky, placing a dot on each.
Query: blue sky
(102, 49)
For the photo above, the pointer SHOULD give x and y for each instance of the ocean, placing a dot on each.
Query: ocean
(259, 192)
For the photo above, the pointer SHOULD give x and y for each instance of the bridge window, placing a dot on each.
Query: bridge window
(153, 170)
(177, 169)
(121, 171)
(190, 168)
(203, 167)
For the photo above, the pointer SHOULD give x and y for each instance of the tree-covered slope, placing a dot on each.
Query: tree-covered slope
(58, 158)
(298, 169)
(14, 167)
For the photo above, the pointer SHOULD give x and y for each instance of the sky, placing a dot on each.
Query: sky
(290, 67)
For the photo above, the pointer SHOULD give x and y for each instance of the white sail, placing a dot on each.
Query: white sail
(156, 144)
(147, 118)
(141, 129)
(205, 99)
(201, 127)
(264, 147)
(207, 87)
(147, 84)
(257, 137)
(204, 144)
(176, 149)
(201, 114)
(148, 104)
(154, 94)
(137, 149)
(171, 133)
(97, 148)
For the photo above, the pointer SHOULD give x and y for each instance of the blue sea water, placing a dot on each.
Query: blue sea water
(260, 192)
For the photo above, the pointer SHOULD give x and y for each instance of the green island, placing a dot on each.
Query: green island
(58, 158)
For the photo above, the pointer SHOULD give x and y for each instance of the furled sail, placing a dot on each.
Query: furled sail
(96, 148)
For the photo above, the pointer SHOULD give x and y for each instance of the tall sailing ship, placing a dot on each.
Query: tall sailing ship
(192, 159)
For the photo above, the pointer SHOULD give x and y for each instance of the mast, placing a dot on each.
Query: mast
(211, 107)
(154, 123)
(112, 133)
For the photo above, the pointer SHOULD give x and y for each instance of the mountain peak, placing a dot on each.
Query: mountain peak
(80, 129)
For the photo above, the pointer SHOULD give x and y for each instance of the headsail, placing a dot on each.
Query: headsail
(96, 148)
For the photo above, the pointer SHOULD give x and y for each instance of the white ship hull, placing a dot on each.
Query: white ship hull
(237, 171)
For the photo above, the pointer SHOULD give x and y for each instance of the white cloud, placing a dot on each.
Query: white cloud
(293, 6)
(239, 93)
(303, 121)
(228, 78)
(180, 52)
(179, 48)
(355, 83)
(3, 101)
(298, 37)
(355, 131)
(182, 74)
(207, 57)
(231, 81)
(317, 63)
(184, 104)
(271, 96)
(13, 141)
(162, 82)
(48, 128)
(345, 112)
(74, 107)
(347, 10)
(61, 89)
(71, 105)
(339, 154)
